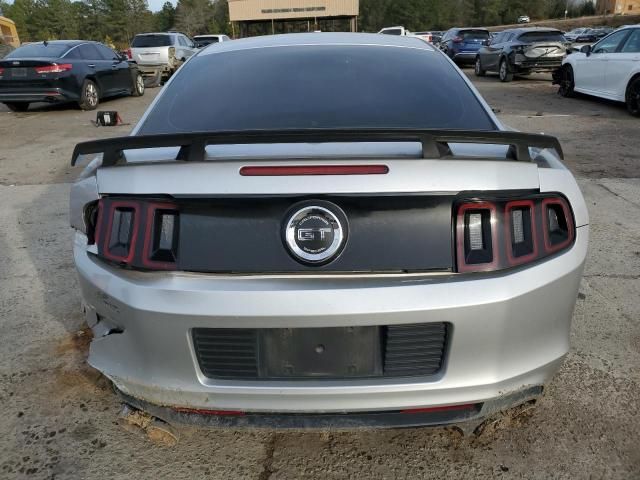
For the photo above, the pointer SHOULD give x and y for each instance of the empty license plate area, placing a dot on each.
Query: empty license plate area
(18, 72)
(333, 352)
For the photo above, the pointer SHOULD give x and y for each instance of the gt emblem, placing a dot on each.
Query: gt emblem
(316, 233)
(310, 234)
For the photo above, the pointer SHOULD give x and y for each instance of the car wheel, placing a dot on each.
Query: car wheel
(478, 69)
(566, 81)
(89, 98)
(17, 106)
(632, 97)
(504, 73)
(138, 88)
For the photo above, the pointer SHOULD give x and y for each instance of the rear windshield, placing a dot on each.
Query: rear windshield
(39, 50)
(145, 41)
(542, 37)
(474, 34)
(317, 87)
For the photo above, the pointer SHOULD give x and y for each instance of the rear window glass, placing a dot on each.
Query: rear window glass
(542, 37)
(474, 34)
(145, 41)
(40, 50)
(317, 87)
(393, 31)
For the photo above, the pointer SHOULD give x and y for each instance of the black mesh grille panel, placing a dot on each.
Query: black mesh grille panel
(414, 349)
(227, 352)
(399, 351)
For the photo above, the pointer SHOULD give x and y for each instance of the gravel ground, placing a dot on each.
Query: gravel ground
(60, 416)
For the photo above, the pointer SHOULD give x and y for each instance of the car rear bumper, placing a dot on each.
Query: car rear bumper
(510, 332)
(546, 65)
(50, 95)
(466, 57)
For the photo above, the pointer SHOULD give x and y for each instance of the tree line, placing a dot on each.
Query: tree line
(117, 21)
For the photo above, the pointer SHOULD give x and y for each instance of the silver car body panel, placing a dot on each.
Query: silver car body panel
(510, 328)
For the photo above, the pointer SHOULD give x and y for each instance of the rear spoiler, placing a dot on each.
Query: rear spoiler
(434, 142)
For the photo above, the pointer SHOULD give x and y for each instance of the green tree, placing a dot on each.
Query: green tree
(164, 19)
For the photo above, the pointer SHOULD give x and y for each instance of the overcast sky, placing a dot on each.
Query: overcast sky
(154, 5)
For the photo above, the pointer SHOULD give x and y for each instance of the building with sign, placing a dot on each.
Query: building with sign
(257, 17)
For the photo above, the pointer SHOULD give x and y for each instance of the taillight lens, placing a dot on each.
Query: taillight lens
(498, 234)
(129, 54)
(1, 71)
(457, 39)
(142, 234)
(64, 67)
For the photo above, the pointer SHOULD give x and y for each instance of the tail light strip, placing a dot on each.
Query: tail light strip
(63, 67)
(543, 220)
(297, 170)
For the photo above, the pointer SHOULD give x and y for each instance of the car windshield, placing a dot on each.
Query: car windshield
(474, 34)
(39, 50)
(317, 87)
(542, 37)
(145, 41)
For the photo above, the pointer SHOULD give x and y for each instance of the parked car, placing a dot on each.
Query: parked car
(329, 250)
(581, 35)
(602, 32)
(609, 69)
(521, 51)
(426, 36)
(66, 71)
(202, 41)
(161, 52)
(399, 31)
(462, 44)
(523, 19)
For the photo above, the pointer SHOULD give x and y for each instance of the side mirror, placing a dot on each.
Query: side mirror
(586, 50)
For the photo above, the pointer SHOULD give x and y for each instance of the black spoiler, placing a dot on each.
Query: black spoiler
(434, 142)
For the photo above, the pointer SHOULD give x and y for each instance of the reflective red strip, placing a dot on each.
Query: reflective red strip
(199, 411)
(446, 408)
(282, 170)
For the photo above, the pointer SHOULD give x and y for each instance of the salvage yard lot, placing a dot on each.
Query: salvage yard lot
(60, 416)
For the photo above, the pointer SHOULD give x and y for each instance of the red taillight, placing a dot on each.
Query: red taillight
(137, 233)
(499, 234)
(1, 71)
(63, 67)
(443, 408)
(296, 170)
(129, 54)
(457, 39)
(161, 236)
(201, 411)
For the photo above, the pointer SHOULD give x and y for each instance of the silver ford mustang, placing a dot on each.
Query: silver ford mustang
(326, 230)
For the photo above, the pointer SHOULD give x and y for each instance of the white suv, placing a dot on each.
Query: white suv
(161, 52)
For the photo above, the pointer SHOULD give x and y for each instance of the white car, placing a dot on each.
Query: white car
(399, 31)
(608, 69)
(524, 19)
(202, 41)
(163, 52)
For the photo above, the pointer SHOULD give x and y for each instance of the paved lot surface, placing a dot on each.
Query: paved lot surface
(59, 416)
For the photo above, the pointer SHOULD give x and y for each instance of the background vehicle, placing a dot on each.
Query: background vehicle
(66, 70)
(581, 35)
(523, 19)
(426, 36)
(204, 40)
(609, 69)
(4, 48)
(444, 257)
(399, 31)
(522, 51)
(601, 32)
(161, 52)
(462, 44)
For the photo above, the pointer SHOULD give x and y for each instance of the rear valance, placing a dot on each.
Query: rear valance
(435, 143)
